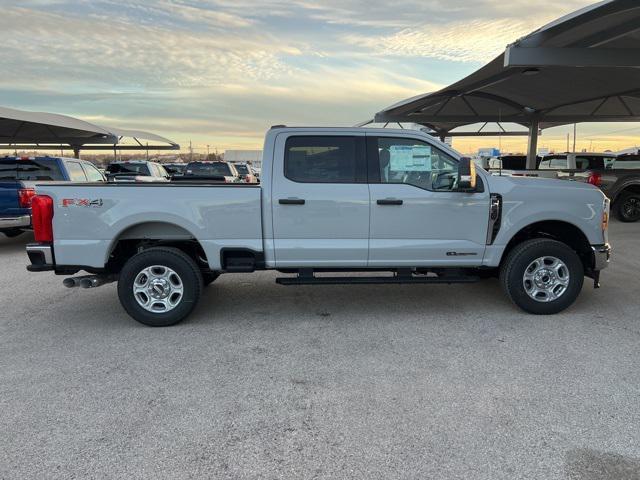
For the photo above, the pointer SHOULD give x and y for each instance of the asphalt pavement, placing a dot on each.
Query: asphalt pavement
(363, 381)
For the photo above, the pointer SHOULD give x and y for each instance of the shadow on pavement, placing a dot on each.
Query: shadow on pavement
(586, 464)
(16, 244)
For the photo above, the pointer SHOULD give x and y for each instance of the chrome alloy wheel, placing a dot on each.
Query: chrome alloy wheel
(546, 279)
(158, 289)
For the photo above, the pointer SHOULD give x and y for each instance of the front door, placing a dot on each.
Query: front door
(320, 201)
(417, 216)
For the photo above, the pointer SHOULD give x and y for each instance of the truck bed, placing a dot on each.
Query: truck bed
(89, 218)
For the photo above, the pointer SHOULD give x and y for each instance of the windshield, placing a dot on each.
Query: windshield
(30, 169)
(128, 168)
(209, 169)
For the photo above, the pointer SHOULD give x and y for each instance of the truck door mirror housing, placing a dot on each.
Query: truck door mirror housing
(466, 175)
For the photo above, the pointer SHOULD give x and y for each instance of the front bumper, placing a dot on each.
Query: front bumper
(40, 256)
(8, 223)
(601, 256)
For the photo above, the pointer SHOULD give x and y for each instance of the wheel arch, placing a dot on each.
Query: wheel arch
(560, 230)
(146, 234)
(632, 185)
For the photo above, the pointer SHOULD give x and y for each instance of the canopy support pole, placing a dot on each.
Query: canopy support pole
(76, 152)
(532, 148)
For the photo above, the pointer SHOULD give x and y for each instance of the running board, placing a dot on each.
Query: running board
(311, 280)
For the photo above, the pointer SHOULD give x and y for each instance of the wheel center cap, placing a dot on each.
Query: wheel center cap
(159, 288)
(544, 278)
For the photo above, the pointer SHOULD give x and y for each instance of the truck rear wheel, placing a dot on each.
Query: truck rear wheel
(542, 276)
(627, 207)
(160, 286)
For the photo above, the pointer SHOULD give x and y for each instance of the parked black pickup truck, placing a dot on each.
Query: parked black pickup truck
(620, 181)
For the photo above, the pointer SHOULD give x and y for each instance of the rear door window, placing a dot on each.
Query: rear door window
(76, 173)
(46, 169)
(324, 159)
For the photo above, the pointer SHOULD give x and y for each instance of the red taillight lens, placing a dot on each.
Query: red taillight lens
(594, 179)
(24, 197)
(42, 218)
(247, 179)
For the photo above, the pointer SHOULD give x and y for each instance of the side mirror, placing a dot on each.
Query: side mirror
(466, 175)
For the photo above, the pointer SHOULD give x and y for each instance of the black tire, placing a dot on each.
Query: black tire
(627, 207)
(209, 277)
(14, 232)
(514, 267)
(171, 258)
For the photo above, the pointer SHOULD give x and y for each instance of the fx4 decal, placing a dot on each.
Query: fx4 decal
(81, 202)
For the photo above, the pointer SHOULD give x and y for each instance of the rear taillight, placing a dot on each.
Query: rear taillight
(247, 178)
(594, 178)
(24, 197)
(42, 218)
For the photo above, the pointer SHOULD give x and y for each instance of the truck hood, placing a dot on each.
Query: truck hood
(548, 183)
(554, 187)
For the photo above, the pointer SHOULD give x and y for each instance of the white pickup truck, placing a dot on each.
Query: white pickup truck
(392, 206)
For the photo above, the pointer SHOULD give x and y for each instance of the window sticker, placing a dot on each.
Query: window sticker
(408, 158)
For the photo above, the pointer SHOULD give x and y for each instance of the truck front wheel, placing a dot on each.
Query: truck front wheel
(542, 276)
(160, 286)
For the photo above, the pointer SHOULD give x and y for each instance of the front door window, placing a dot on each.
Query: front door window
(416, 163)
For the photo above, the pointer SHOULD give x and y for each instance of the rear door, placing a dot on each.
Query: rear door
(320, 202)
(417, 216)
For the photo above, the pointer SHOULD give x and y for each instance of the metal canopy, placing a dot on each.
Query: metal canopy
(23, 129)
(584, 67)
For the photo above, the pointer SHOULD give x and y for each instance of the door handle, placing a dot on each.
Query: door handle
(389, 201)
(291, 201)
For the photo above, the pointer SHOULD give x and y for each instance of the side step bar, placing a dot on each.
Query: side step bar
(312, 280)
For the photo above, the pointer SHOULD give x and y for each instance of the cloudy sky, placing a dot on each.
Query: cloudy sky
(220, 72)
